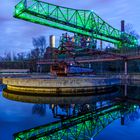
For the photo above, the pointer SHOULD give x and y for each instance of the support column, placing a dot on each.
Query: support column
(101, 63)
(38, 68)
(122, 120)
(125, 67)
(125, 77)
(101, 45)
(89, 65)
(125, 90)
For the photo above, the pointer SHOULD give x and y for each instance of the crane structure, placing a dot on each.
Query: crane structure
(83, 22)
(84, 126)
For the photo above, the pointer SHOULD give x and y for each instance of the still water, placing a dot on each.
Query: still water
(20, 112)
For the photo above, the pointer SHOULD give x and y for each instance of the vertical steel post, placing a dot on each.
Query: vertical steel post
(101, 45)
(122, 120)
(125, 90)
(125, 67)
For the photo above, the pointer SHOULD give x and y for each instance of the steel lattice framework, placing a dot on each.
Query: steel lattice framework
(84, 126)
(84, 22)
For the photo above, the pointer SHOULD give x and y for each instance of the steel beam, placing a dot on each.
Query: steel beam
(83, 22)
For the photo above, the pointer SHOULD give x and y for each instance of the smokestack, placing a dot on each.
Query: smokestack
(52, 41)
(122, 25)
(101, 44)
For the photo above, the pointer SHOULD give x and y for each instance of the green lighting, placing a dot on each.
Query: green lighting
(135, 106)
(82, 125)
(84, 22)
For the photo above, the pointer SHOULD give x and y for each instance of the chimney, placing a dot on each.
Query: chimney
(122, 26)
(52, 41)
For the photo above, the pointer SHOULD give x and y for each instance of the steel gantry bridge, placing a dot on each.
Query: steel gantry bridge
(84, 22)
(84, 126)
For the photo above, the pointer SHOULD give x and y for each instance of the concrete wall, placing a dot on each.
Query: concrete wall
(61, 85)
(60, 82)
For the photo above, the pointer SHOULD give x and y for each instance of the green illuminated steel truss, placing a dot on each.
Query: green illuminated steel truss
(85, 126)
(83, 22)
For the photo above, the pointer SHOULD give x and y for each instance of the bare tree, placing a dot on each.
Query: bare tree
(39, 44)
(35, 54)
(7, 56)
(21, 56)
(130, 30)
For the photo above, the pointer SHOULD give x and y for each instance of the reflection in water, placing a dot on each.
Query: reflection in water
(68, 110)
(133, 115)
(60, 100)
(39, 109)
(63, 107)
(78, 117)
(85, 125)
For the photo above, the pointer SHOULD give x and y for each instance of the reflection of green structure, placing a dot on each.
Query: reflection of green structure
(83, 22)
(84, 126)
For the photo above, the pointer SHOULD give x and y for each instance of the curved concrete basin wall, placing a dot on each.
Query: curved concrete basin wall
(58, 85)
(60, 99)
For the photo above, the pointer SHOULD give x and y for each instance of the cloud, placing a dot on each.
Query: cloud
(16, 35)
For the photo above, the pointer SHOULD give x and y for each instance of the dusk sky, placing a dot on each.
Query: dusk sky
(16, 35)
